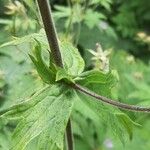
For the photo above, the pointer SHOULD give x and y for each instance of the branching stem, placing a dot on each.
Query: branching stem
(51, 33)
(111, 101)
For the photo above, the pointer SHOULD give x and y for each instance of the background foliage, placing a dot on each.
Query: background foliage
(122, 29)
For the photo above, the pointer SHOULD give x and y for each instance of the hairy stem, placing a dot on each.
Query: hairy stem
(51, 33)
(69, 135)
(110, 101)
(50, 29)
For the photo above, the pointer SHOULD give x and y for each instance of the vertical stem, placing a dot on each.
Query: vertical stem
(70, 18)
(69, 3)
(69, 24)
(78, 34)
(51, 33)
(69, 135)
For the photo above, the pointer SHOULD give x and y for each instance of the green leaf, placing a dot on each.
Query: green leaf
(93, 18)
(61, 74)
(20, 78)
(44, 115)
(5, 138)
(127, 123)
(86, 119)
(74, 12)
(46, 73)
(31, 4)
(102, 83)
(114, 119)
(105, 3)
(62, 12)
(98, 81)
(41, 37)
(72, 60)
(17, 41)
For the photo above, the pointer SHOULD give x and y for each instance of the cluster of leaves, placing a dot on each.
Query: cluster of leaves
(132, 12)
(45, 114)
(108, 18)
(79, 13)
(137, 78)
(17, 13)
(38, 108)
(133, 88)
(82, 11)
(16, 74)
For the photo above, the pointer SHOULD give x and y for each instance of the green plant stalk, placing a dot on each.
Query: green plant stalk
(50, 29)
(55, 50)
(69, 23)
(78, 33)
(69, 3)
(51, 33)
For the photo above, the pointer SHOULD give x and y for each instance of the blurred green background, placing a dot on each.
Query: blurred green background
(122, 29)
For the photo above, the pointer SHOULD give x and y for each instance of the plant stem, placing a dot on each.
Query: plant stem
(50, 29)
(78, 33)
(111, 101)
(69, 23)
(51, 33)
(48, 22)
(69, 135)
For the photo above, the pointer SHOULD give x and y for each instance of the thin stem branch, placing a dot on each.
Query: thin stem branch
(69, 136)
(51, 33)
(49, 26)
(78, 33)
(111, 101)
(69, 23)
(69, 3)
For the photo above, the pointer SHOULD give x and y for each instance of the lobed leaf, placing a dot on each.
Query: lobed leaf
(127, 123)
(86, 119)
(46, 73)
(44, 116)
(41, 37)
(98, 81)
(102, 84)
(92, 18)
